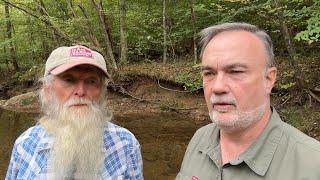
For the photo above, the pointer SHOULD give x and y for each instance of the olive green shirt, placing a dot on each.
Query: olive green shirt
(280, 153)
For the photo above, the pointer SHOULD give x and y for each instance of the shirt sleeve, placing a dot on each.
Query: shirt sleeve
(135, 165)
(13, 165)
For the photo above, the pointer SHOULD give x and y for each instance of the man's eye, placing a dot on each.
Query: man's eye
(69, 80)
(236, 71)
(93, 81)
(207, 73)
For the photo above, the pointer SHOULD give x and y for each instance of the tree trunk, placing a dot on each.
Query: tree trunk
(31, 37)
(12, 47)
(93, 39)
(193, 21)
(44, 12)
(90, 30)
(123, 34)
(7, 62)
(70, 3)
(165, 43)
(46, 21)
(103, 21)
(290, 47)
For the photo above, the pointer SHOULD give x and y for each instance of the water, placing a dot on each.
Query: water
(163, 138)
(11, 126)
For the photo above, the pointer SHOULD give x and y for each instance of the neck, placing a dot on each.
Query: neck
(235, 142)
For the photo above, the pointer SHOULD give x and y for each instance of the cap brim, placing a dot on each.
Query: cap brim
(66, 66)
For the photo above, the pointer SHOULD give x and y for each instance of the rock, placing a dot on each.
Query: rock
(27, 102)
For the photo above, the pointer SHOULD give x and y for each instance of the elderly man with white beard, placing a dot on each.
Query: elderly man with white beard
(247, 139)
(74, 138)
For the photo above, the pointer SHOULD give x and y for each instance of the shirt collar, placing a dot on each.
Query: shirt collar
(259, 155)
(211, 145)
(46, 142)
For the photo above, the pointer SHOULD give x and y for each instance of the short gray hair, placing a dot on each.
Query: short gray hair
(208, 33)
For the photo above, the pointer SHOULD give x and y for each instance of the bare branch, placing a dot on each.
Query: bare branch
(103, 22)
(313, 95)
(171, 89)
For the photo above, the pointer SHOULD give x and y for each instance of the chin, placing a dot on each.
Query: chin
(221, 117)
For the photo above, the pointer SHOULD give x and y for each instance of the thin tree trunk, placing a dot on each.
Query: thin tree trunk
(94, 40)
(165, 43)
(103, 21)
(12, 47)
(7, 62)
(70, 3)
(290, 46)
(45, 45)
(193, 21)
(169, 39)
(45, 20)
(90, 29)
(31, 37)
(123, 34)
(44, 12)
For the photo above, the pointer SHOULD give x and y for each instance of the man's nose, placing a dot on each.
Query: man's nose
(80, 89)
(219, 85)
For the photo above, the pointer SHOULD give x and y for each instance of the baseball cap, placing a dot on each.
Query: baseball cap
(64, 58)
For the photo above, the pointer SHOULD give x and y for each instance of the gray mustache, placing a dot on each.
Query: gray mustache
(223, 100)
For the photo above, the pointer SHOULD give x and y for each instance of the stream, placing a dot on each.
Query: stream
(163, 137)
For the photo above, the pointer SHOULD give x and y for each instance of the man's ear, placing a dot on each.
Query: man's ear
(271, 76)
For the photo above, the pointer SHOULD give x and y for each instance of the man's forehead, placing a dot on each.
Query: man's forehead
(88, 69)
(234, 47)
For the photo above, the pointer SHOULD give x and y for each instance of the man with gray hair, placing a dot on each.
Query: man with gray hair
(74, 138)
(247, 139)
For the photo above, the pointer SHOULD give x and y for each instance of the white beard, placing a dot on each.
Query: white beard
(77, 149)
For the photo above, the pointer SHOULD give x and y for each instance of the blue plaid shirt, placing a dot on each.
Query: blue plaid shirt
(30, 154)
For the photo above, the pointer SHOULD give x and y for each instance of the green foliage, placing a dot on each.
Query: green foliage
(292, 117)
(287, 85)
(34, 73)
(35, 39)
(190, 81)
(312, 33)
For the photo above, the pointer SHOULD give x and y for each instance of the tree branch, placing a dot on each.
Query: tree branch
(59, 32)
(313, 95)
(171, 89)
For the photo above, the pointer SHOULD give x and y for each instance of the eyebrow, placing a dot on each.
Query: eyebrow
(64, 75)
(69, 75)
(205, 68)
(230, 66)
(236, 65)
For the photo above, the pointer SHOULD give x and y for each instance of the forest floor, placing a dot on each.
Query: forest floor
(164, 113)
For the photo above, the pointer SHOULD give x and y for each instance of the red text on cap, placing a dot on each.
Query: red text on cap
(81, 52)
